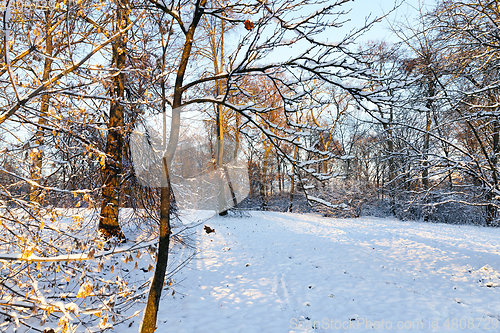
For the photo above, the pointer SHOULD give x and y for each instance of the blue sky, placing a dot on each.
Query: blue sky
(361, 9)
(407, 11)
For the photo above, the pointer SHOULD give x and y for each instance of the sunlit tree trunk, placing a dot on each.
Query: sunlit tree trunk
(220, 157)
(113, 167)
(236, 135)
(37, 153)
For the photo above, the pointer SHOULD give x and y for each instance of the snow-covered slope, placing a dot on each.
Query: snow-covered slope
(277, 272)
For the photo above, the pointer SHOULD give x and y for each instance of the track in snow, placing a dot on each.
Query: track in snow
(280, 272)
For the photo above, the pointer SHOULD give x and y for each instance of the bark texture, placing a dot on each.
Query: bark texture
(113, 166)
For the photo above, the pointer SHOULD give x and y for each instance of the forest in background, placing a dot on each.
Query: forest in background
(322, 123)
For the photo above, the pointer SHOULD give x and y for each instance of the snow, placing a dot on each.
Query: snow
(283, 272)
(321, 201)
(75, 256)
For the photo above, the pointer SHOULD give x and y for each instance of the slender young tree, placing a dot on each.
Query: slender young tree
(264, 28)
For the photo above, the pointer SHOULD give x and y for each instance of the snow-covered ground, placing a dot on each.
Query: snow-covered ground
(279, 272)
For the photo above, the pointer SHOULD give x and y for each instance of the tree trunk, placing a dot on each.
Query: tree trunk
(491, 210)
(230, 185)
(222, 205)
(388, 127)
(37, 153)
(263, 178)
(392, 165)
(425, 164)
(113, 167)
(236, 135)
(148, 324)
(220, 158)
(278, 163)
(292, 185)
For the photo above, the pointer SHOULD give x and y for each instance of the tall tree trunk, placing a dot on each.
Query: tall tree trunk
(37, 153)
(491, 210)
(428, 123)
(220, 158)
(388, 128)
(113, 167)
(292, 185)
(425, 163)
(148, 324)
(278, 163)
(263, 177)
(236, 135)
(392, 164)
(218, 62)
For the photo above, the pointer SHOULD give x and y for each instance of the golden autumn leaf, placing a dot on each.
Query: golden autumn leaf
(102, 324)
(85, 290)
(103, 160)
(249, 25)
